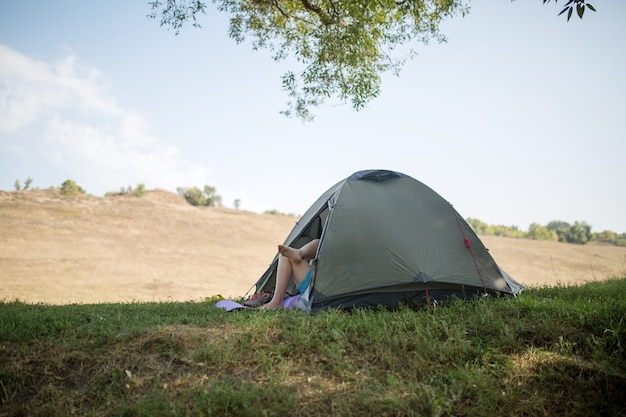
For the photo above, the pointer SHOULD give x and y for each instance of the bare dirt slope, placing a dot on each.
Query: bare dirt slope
(85, 249)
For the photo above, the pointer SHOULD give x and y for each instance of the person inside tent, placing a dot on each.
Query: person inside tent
(292, 263)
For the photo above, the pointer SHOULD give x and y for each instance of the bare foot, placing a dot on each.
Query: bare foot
(271, 306)
(291, 253)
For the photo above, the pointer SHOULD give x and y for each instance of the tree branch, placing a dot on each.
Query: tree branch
(326, 20)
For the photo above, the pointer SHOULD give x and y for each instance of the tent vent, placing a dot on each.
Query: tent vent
(375, 175)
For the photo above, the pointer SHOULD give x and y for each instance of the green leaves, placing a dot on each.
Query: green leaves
(341, 48)
(69, 187)
(176, 13)
(196, 197)
(579, 5)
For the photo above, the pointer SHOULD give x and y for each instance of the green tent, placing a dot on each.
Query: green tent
(386, 238)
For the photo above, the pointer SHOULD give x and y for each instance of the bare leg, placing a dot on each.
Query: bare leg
(308, 251)
(290, 264)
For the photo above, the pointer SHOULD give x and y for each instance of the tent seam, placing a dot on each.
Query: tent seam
(468, 245)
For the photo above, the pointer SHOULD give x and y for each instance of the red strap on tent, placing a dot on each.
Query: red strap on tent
(468, 245)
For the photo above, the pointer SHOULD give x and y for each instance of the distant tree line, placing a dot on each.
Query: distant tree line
(557, 230)
(196, 197)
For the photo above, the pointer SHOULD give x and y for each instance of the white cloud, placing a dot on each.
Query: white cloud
(73, 119)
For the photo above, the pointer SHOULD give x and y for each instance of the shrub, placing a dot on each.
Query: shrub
(197, 197)
(139, 191)
(538, 232)
(27, 184)
(275, 212)
(70, 187)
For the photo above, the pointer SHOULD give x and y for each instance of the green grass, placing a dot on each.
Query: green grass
(552, 351)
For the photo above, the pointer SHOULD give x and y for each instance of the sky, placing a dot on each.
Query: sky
(519, 118)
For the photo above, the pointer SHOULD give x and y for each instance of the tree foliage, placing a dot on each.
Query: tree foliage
(539, 232)
(196, 197)
(69, 187)
(579, 5)
(139, 191)
(482, 228)
(343, 46)
(606, 236)
(561, 229)
(27, 184)
(578, 233)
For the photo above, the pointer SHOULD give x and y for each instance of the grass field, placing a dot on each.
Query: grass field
(552, 351)
(104, 314)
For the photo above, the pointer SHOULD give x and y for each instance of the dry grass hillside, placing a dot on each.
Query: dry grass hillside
(84, 249)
